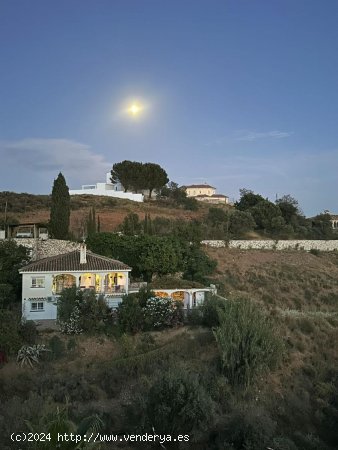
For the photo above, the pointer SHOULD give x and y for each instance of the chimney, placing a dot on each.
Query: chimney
(83, 253)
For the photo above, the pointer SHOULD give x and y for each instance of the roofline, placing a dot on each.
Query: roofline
(77, 250)
(199, 186)
(74, 271)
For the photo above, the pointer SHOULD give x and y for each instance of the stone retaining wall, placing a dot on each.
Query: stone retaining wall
(299, 244)
(50, 247)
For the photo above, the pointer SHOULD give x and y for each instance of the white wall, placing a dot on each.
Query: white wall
(102, 190)
(41, 294)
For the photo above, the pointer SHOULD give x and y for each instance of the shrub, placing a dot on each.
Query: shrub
(130, 315)
(71, 344)
(57, 347)
(28, 332)
(72, 326)
(178, 403)
(30, 355)
(93, 312)
(314, 251)
(283, 443)
(161, 312)
(80, 311)
(211, 310)
(10, 339)
(250, 429)
(194, 316)
(247, 342)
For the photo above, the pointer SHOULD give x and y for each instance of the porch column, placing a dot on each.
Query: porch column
(189, 302)
(102, 275)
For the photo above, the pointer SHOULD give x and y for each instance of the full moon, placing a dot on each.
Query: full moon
(134, 109)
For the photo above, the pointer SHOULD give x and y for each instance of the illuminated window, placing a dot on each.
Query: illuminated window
(38, 282)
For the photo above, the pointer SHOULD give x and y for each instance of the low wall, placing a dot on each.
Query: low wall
(299, 244)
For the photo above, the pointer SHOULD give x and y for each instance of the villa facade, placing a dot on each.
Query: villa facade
(44, 280)
(206, 193)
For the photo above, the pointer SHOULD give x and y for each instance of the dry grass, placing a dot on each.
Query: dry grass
(111, 211)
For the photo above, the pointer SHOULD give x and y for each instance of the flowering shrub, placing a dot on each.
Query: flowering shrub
(162, 312)
(72, 326)
(29, 355)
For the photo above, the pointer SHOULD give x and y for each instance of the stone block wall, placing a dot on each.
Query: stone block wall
(50, 247)
(298, 244)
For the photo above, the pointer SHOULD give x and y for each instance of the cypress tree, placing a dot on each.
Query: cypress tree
(60, 209)
(91, 222)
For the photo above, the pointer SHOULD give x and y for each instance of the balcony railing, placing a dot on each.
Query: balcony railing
(106, 290)
(114, 290)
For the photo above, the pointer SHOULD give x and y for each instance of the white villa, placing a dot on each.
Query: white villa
(44, 280)
(107, 189)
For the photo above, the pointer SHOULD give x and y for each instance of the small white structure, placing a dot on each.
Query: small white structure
(44, 280)
(191, 297)
(107, 189)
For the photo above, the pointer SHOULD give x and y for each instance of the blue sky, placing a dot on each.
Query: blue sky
(237, 93)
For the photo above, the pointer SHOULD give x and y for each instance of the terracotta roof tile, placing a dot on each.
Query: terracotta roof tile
(70, 262)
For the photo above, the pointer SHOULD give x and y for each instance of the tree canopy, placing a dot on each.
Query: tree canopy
(138, 176)
(12, 257)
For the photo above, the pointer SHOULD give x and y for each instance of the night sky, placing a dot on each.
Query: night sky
(234, 93)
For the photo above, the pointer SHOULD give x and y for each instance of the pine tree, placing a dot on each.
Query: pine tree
(60, 209)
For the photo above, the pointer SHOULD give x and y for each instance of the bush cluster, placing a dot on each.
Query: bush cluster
(136, 313)
(80, 311)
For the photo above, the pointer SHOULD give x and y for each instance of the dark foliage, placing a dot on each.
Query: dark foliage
(60, 209)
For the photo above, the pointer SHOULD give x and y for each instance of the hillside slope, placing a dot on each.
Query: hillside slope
(36, 208)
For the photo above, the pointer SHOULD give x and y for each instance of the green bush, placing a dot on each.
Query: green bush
(10, 339)
(94, 312)
(250, 429)
(130, 314)
(178, 404)
(28, 332)
(211, 310)
(161, 312)
(71, 344)
(247, 341)
(283, 443)
(194, 316)
(80, 311)
(57, 347)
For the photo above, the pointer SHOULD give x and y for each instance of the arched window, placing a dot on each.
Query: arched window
(63, 281)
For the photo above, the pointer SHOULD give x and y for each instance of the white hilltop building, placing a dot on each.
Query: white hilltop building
(107, 189)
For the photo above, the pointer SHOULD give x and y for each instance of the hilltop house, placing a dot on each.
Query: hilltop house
(205, 193)
(107, 189)
(44, 280)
